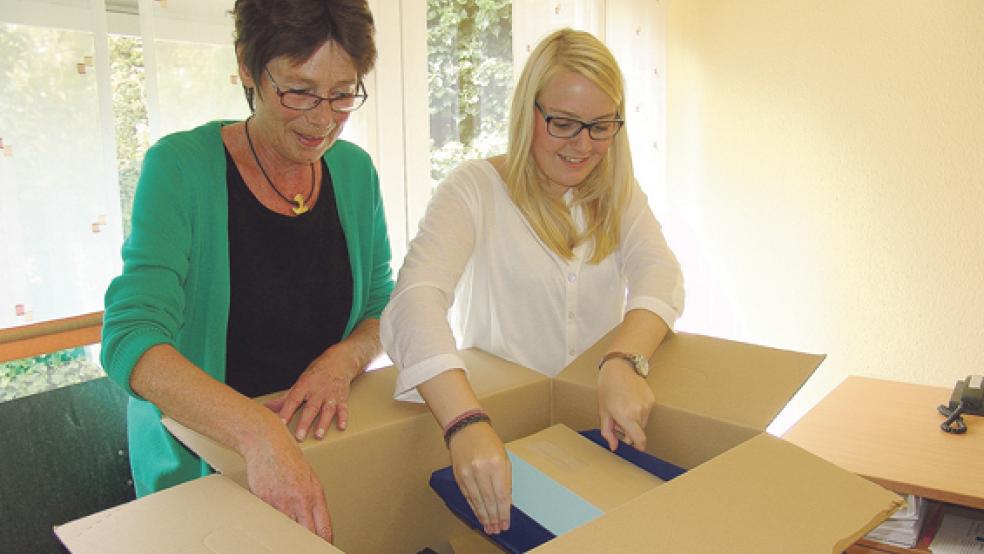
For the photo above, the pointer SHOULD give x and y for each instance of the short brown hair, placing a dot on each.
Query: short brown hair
(267, 29)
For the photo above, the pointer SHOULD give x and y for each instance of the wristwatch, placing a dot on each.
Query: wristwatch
(639, 362)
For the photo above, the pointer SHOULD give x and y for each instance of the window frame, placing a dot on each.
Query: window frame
(24, 341)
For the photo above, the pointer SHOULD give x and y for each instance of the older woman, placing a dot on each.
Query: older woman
(258, 262)
(543, 250)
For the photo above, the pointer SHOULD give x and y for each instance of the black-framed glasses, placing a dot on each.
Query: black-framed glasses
(569, 127)
(342, 102)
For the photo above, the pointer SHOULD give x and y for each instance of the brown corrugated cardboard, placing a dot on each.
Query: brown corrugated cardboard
(762, 497)
(375, 472)
(711, 394)
(210, 515)
(473, 543)
(714, 398)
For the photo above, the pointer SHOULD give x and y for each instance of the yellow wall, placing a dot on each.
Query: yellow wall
(828, 160)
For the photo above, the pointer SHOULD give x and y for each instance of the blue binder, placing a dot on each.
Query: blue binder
(524, 532)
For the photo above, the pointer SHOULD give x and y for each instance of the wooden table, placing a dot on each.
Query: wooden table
(889, 433)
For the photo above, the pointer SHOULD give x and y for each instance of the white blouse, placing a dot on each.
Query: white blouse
(513, 296)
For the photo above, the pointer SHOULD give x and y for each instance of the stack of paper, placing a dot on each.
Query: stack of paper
(902, 529)
(959, 535)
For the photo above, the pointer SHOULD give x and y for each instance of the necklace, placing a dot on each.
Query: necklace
(300, 200)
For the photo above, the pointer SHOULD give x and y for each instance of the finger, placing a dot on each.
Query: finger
(324, 422)
(487, 491)
(302, 515)
(310, 411)
(322, 519)
(474, 497)
(291, 402)
(342, 415)
(620, 434)
(502, 487)
(634, 435)
(608, 433)
(474, 509)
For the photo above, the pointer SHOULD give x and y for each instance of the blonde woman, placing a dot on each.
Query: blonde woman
(542, 252)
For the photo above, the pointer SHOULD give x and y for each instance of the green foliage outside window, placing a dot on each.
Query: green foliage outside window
(46, 372)
(469, 79)
(130, 113)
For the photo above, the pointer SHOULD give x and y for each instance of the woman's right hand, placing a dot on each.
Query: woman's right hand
(484, 474)
(278, 473)
(275, 468)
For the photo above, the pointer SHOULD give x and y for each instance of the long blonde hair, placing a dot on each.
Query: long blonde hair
(604, 193)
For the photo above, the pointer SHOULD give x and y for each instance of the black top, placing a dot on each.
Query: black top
(290, 286)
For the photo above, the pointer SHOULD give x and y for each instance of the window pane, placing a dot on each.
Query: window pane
(28, 376)
(130, 113)
(469, 80)
(197, 83)
(193, 64)
(61, 234)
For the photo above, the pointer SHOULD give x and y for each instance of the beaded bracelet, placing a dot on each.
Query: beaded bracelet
(464, 420)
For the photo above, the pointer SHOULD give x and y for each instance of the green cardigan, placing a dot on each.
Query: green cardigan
(174, 288)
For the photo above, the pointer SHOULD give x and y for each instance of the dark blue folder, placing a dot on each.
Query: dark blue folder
(524, 533)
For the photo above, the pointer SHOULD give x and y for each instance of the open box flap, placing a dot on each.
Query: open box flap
(208, 515)
(723, 379)
(372, 406)
(763, 496)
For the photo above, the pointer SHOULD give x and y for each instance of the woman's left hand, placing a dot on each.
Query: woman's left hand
(624, 403)
(320, 393)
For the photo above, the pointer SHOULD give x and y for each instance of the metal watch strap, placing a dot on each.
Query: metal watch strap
(631, 358)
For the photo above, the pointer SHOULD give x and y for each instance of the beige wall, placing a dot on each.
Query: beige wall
(827, 158)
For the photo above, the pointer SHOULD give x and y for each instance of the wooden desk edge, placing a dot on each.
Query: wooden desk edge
(928, 493)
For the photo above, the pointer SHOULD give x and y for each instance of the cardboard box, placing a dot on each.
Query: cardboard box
(747, 491)
(375, 472)
(209, 515)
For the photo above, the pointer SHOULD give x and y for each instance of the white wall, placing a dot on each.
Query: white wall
(827, 158)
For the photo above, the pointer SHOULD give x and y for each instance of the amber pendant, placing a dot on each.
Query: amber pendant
(301, 207)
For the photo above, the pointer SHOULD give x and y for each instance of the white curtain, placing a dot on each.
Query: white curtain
(191, 74)
(59, 200)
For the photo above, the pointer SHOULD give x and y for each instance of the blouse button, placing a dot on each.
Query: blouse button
(571, 277)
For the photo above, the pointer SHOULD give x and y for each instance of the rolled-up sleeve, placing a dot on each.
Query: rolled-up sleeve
(414, 327)
(144, 306)
(655, 281)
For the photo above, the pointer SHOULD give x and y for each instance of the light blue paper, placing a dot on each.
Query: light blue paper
(549, 503)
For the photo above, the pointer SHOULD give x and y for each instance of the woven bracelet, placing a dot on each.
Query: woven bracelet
(461, 416)
(462, 421)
